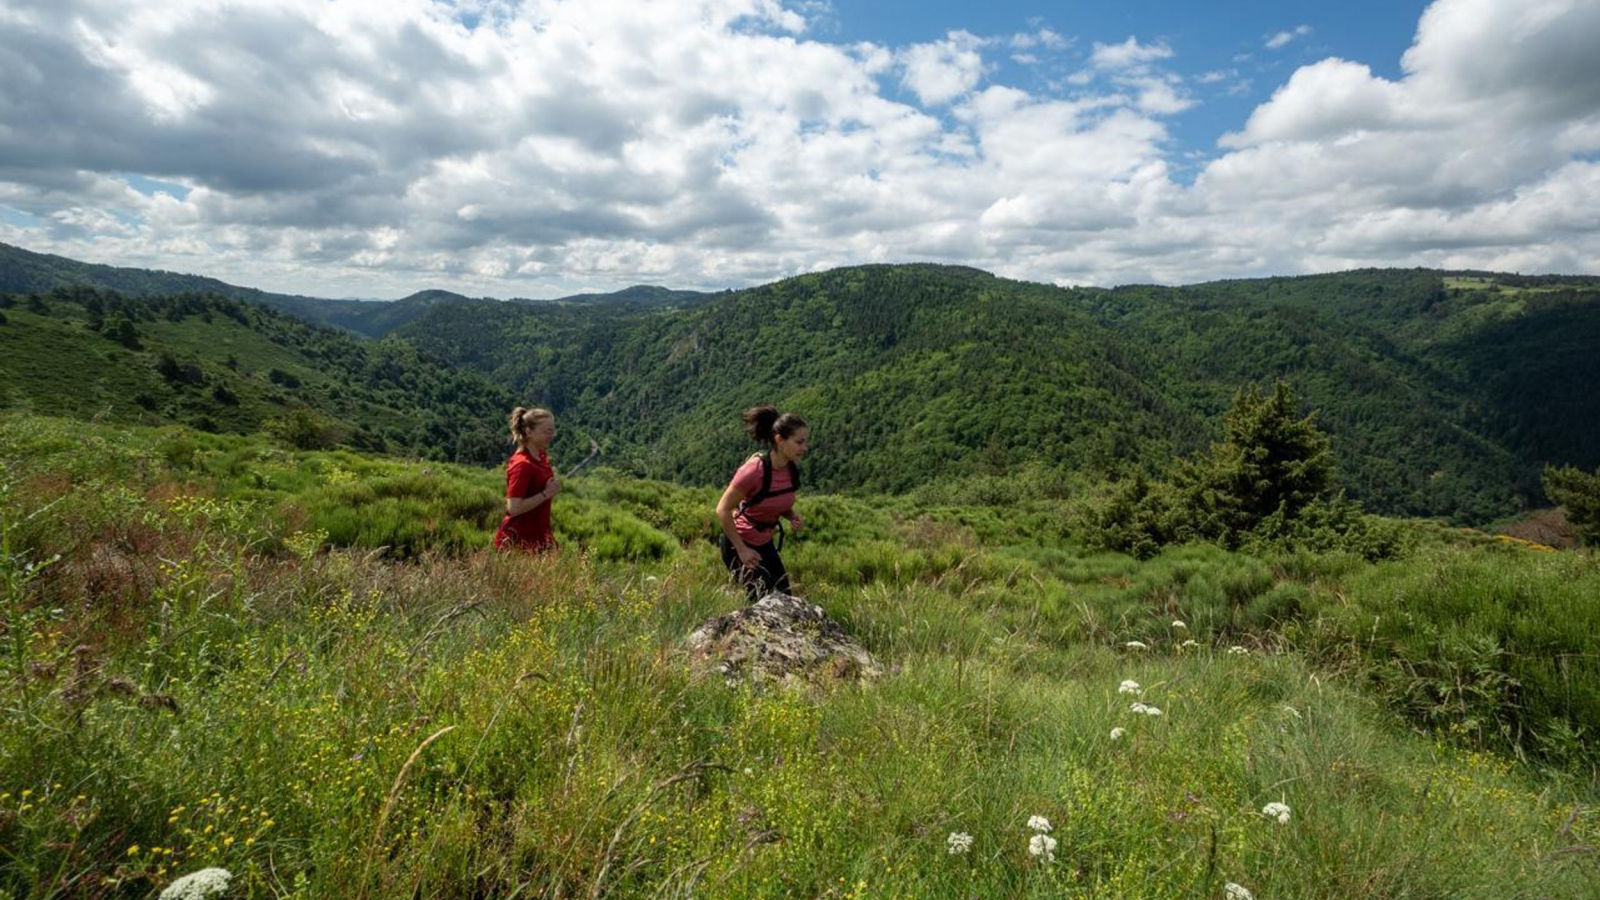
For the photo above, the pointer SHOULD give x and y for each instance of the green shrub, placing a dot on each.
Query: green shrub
(1495, 645)
(1267, 486)
(1579, 492)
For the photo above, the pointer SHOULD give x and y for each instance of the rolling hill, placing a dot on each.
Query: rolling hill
(1445, 393)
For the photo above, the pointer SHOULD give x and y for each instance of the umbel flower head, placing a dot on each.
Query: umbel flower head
(1279, 811)
(1039, 824)
(1136, 645)
(1237, 892)
(201, 885)
(1043, 846)
(1129, 687)
(958, 842)
(1117, 733)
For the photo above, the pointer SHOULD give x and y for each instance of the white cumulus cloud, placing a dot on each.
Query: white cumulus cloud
(374, 147)
(941, 71)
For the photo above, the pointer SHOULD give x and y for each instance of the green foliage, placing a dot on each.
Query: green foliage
(1268, 484)
(207, 677)
(1270, 463)
(912, 376)
(302, 429)
(1494, 646)
(1579, 493)
(223, 365)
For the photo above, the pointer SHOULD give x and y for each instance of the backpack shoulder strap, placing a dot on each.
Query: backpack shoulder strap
(766, 482)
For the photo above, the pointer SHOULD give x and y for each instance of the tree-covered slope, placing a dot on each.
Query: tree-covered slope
(906, 373)
(1443, 395)
(222, 365)
(23, 271)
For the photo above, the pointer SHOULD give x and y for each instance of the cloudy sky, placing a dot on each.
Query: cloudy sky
(494, 147)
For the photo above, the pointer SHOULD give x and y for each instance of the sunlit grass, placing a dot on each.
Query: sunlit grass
(202, 680)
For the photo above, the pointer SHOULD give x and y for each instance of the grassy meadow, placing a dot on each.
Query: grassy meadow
(307, 668)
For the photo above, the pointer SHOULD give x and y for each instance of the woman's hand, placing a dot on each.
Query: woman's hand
(552, 488)
(796, 522)
(749, 557)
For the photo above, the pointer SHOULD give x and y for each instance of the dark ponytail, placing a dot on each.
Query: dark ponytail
(763, 423)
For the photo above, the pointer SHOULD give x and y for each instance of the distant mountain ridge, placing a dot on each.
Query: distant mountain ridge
(23, 271)
(1444, 393)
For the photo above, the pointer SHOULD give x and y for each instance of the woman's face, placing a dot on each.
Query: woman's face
(795, 445)
(543, 433)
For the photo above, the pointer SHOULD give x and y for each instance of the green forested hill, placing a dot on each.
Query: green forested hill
(907, 374)
(223, 365)
(22, 272)
(1444, 393)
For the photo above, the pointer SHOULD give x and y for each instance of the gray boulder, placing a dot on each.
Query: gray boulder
(780, 638)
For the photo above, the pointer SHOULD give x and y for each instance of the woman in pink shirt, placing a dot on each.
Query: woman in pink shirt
(530, 483)
(759, 498)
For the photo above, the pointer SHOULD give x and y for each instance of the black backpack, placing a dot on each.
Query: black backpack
(767, 491)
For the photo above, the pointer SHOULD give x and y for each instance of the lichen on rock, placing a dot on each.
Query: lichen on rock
(780, 638)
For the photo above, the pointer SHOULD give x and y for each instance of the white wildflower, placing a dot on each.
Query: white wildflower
(1043, 845)
(1137, 645)
(1039, 824)
(958, 842)
(1237, 892)
(1117, 733)
(1138, 706)
(201, 885)
(1279, 811)
(1151, 710)
(1191, 643)
(1179, 623)
(1129, 687)
(1237, 650)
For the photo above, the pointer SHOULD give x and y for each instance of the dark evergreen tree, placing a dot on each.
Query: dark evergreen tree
(1579, 493)
(121, 330)
(1272, 462)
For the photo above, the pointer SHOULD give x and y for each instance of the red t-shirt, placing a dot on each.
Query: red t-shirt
(748, 480)
(527, 475)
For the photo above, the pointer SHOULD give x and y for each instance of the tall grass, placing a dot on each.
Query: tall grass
(200, 679)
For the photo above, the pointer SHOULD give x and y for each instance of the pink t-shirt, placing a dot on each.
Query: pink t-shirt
(748, 481)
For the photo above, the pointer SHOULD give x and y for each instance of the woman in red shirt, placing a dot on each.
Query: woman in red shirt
(759, 496)
(530, 483)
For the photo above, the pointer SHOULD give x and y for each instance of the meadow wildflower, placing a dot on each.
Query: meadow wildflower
(958, 842)
(1138, 706)
(1279, 811)
(1237, 892)
(1129, 687)
(1137, 645)
(1117, 733)
(1152, 710)
(1044, 846)
(1190, 643)
(200, 885)
(1237, 650)
(1039, 824)
(1179, 623)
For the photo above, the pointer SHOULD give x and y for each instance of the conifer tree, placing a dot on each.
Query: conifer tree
(1579, 493)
